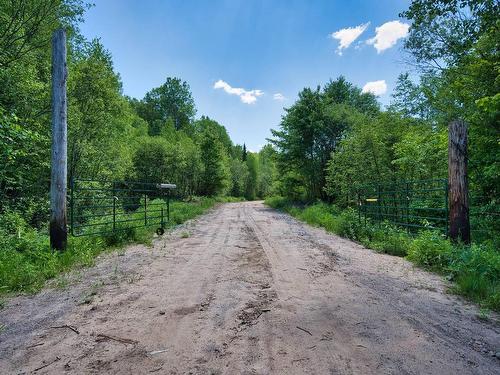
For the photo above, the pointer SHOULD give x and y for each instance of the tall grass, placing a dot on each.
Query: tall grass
(475, 269)
(27, 262)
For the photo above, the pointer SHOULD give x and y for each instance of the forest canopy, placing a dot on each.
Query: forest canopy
(331, 140)
(110, 136)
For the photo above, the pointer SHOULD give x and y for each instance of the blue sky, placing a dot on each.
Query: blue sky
(246, 60)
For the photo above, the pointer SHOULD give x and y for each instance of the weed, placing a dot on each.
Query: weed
(62, 282)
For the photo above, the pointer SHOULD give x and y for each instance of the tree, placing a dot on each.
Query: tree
(455, 43)
(239, 177)
(341, 91)
(267, 173)
(313, 127)
(412, 100)
(151, 160)
(215, 175)
(100, 119)
(17, 147)
(443, 31)
(172, 100)
(244, 153)
(207, 124)
(252, 179)
(26, 26)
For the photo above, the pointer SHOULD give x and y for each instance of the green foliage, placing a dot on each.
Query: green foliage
(252, 181)
(267, 173)
(215, 175)
(313, 128)
(292, 187)
(430, 250)
(16, 148)
(153, 160)
(171, 101)
(100, 119)
(25, 24)
(239, 177)
(455, 43)
(278, 202)
(476, 271)
(410, 100)
(443, 31)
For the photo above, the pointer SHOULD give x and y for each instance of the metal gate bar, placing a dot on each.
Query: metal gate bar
(101, 207)
(410, 204)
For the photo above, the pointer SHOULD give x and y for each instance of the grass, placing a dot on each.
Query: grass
(27, 262)
(474, 270)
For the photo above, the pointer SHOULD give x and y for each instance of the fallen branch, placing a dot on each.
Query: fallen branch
(258, 316)
(47, 364)
(158, 351)
(35, 345)
(305, 330)
(67, 326)
(300, 360)
(102, 336)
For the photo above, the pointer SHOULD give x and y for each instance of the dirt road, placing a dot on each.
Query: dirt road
(249, 291)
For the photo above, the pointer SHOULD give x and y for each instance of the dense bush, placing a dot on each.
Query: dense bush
(431, 250)
(476, 272)
(475, 269)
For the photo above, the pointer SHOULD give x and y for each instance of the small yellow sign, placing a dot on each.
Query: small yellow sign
(371, 199)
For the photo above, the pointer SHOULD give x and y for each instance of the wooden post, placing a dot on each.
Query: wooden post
(59, 171)
(458, 194)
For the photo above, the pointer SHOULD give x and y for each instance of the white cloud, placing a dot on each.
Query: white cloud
(347, 36)
(375, 87)
(388, 34)
(246, 96)
(279, 97)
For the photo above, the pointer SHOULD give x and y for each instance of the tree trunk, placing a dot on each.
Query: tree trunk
(59, 171)
(458, 194)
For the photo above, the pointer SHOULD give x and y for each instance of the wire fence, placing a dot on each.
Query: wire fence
(484, 215)
(423, 204)
(410, 204)
(100, 206)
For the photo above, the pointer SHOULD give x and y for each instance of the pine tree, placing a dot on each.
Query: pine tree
(244, 153)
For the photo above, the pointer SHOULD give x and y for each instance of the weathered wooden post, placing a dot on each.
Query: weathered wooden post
(58, 176)
(458, 193)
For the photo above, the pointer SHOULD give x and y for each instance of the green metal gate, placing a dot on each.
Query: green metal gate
(410, 204)
(99, 207)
